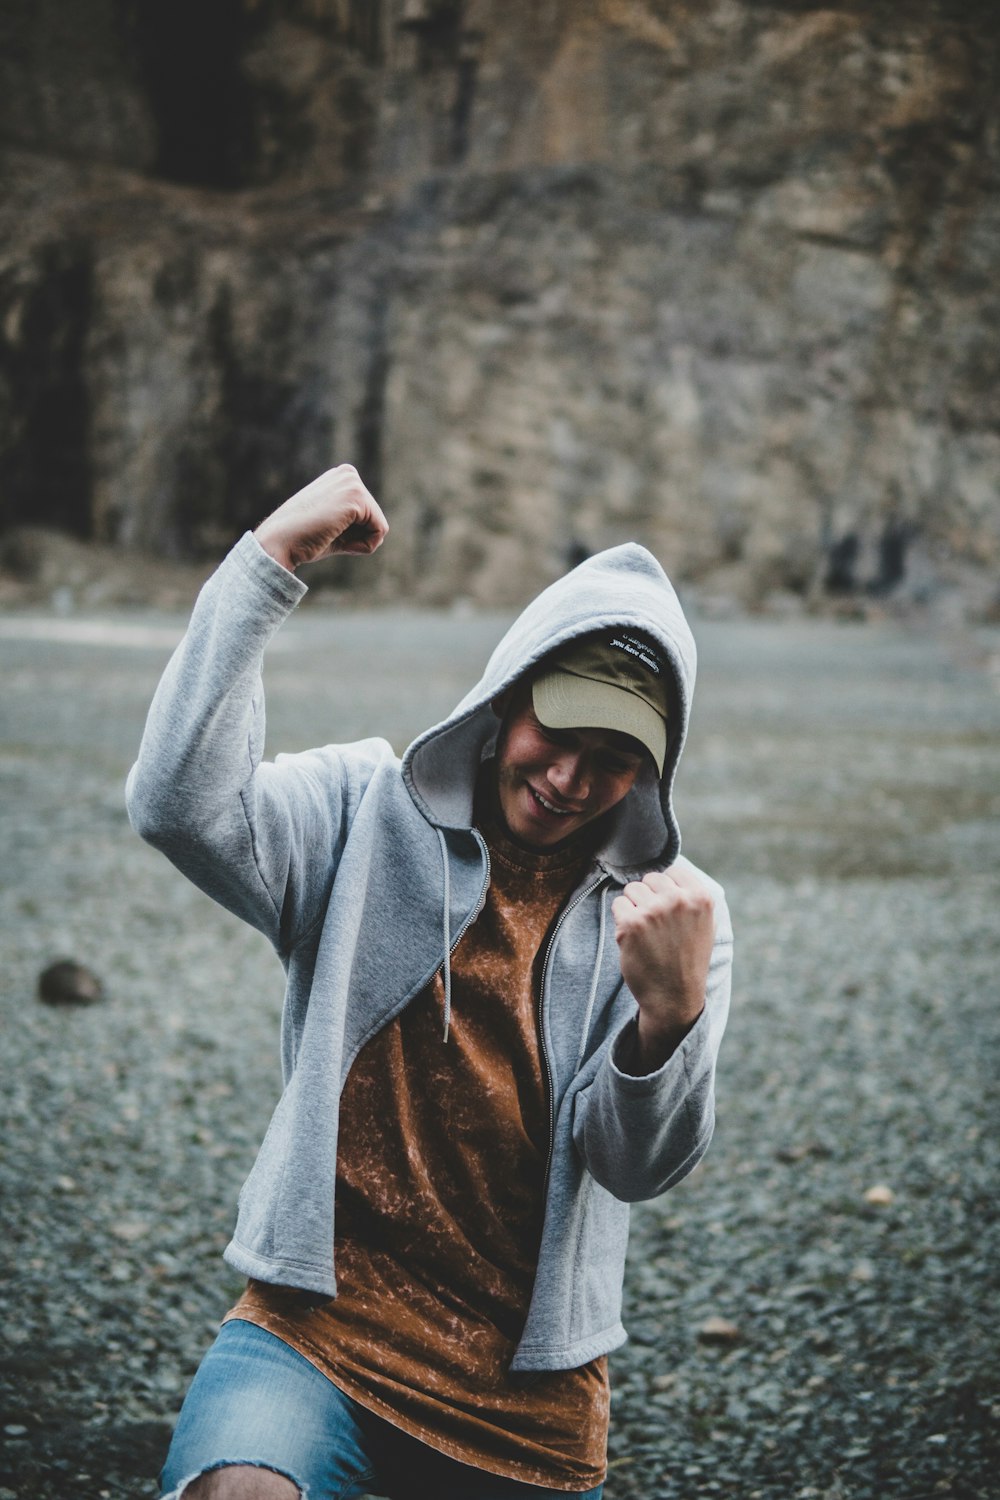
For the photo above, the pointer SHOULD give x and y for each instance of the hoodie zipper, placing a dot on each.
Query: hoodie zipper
(541, 1020)
(479, 904)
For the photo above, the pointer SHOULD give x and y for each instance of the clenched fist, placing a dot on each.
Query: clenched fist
(333, 514)
(665, 929)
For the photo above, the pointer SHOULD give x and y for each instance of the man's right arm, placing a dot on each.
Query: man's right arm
(244, 830)
(333, 515)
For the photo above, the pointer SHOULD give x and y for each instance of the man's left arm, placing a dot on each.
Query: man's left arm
(647, 1117)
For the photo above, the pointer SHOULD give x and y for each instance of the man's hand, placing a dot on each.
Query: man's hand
(665, 928)
(333, 514)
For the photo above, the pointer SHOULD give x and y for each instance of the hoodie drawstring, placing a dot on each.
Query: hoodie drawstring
(594, 981)
(447, 934)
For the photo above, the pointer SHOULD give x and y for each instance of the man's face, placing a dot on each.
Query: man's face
(553, 782)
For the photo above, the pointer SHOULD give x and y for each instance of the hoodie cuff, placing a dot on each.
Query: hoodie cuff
(283, 586)
(623, 1051)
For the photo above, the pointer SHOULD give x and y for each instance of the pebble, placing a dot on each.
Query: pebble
(130, 1230)
(716, 1330)
(67, 982)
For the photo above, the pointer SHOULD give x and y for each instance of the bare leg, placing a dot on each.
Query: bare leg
(241, 1482)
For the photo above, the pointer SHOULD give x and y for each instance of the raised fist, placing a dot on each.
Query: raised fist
(665, 927)
(333, 514)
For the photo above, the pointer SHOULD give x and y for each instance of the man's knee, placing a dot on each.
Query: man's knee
(241, 1482)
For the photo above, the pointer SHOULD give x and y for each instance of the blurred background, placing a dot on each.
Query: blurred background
(721, 277)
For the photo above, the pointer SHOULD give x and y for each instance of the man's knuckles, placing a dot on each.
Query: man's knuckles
(628, 919)
(681, 887)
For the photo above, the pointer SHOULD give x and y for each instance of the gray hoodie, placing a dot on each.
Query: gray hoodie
(364, 871)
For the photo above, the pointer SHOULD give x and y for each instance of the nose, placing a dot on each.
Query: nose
(568, 775)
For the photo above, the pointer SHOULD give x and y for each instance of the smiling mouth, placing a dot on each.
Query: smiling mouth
(560, 812)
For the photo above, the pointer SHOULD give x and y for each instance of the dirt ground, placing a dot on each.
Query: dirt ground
(841, 780)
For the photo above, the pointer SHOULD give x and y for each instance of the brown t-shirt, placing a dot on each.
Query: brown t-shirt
(440, 1194)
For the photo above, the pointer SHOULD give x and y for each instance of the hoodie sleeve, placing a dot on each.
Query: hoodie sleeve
(244, 831)
(638, 1136)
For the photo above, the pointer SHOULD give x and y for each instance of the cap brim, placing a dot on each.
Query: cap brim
(564, 701)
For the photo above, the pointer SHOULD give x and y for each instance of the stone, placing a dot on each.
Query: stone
(67, 982)
(130, 1230)
(718, 1330)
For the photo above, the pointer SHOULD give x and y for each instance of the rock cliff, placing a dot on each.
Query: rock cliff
(722, 278)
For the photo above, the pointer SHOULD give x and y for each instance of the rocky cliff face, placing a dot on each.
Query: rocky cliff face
(720, 278)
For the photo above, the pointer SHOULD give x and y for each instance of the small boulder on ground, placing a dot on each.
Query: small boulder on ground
(716, 1330)
(67, 982)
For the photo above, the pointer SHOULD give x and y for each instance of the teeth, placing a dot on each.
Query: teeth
(562, 812)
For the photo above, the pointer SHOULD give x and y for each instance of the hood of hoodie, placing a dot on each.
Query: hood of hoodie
(624, 587)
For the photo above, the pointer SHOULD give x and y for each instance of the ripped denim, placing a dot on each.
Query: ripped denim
(256, 1401)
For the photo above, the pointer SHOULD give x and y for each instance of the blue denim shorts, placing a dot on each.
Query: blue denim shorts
(254, 1400)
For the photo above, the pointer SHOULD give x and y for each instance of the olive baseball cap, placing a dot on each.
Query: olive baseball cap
(615, 680)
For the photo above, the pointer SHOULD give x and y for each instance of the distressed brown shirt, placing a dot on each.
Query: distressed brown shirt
(440, 1193)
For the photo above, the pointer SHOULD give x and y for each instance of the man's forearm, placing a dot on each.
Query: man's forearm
(649, 1048)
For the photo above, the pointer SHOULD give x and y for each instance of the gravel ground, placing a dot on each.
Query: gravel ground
(812, 1312)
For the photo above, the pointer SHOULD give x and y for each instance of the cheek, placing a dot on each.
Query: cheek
(613, 788)
(521, 751)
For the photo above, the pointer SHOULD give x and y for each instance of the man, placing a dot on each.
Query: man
(505, 996)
